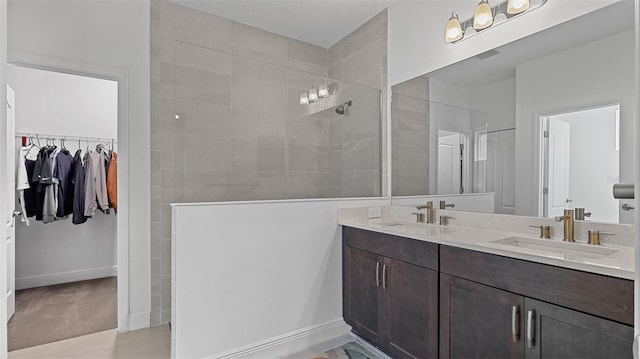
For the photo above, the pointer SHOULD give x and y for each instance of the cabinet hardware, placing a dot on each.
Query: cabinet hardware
(384, 276)
(377, 274)
(530, 334)
(515, 323)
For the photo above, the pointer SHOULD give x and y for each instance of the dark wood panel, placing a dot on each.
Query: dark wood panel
(411, 310)
(362, 294)
(604, 296)
(420, 253)
(564, 333)
(476, 321)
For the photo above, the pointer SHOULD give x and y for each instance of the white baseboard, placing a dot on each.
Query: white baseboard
(289, 343)
(66, 277)
(139, 321)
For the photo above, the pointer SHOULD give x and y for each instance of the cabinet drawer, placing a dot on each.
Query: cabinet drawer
(420, 253)
(600, 295)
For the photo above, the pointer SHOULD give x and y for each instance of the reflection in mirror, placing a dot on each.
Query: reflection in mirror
(574, 76)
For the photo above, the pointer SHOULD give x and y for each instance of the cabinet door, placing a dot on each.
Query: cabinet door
(362, 292)
(557, 332)
(411, 310)
(477, 321)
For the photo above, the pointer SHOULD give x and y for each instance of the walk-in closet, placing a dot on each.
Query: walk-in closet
(63, 259)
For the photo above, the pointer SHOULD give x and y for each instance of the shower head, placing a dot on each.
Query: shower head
(340, 109)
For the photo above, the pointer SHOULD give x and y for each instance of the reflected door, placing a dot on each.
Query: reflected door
(559, 167)
(9, 210)
(449, 165)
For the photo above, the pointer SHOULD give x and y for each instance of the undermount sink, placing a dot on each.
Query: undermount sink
(423, 228)
(553, 248)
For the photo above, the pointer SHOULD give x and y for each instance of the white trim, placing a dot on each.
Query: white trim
(139, 321)
(196, 204)
(66, 277)
(121, 76)
(370, 347)
(291, 342)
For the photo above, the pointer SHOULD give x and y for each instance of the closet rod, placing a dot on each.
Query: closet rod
(43, 136)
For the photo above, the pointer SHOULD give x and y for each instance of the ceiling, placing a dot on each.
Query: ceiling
(475, 72)
(319, 22)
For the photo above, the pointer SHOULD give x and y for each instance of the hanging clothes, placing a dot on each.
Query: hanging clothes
(90, 202)
(31, 194)
(22, 182)
(64, 173)
(78, 189)
(48, 179)
(112, 181)
(100, 178)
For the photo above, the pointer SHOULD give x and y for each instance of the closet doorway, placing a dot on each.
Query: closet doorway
(65, 261)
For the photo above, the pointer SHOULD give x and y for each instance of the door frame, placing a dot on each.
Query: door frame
(121, 77)
(543, 148)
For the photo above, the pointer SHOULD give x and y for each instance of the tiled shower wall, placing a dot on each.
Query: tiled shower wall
(410, 137)
(361, 58)
(241, 134)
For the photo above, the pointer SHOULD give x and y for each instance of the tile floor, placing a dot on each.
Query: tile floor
(149, 343)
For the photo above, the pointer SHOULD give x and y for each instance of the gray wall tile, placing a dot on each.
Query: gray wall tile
(242, 134)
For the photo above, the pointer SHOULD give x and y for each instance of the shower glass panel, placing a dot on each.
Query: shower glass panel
(239, 132)
(437, 148)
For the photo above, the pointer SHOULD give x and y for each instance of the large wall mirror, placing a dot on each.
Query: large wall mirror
(538, 125)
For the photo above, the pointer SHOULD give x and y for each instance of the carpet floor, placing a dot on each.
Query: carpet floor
(62, 311)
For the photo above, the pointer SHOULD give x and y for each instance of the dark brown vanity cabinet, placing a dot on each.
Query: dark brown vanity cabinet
(478, 321)
(482, 317)
(556, 332)
(415, 299)
(391, 303)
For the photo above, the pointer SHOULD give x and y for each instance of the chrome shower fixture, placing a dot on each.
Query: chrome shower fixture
(341, 109)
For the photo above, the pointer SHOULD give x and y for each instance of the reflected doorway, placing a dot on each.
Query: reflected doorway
(581, 151)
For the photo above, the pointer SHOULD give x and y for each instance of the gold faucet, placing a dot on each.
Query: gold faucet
(429, 208)
(568, 225)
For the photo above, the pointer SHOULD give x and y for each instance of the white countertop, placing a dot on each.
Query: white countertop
(619, 264)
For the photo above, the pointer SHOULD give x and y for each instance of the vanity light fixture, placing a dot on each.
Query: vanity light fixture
(483, 17)
(304, 98)
(517, 6)
(313, 94)
(317, 92)
(486, 17)
(323, 90)
(454, 31)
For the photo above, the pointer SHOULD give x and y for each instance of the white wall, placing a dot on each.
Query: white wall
(593, 161)
(498, 101)
(62, 252)
(416, 32)
(593, 74)
(98, 35)
(251, 276)
(58, 103)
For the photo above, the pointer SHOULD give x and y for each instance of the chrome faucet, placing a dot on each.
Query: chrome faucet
(568, 225)
(429, 208)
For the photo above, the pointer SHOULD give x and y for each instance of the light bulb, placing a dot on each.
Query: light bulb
(454, 31)
(313, 94)
(517, 6)
(304, 98)
(323, 90)
(483, 17)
